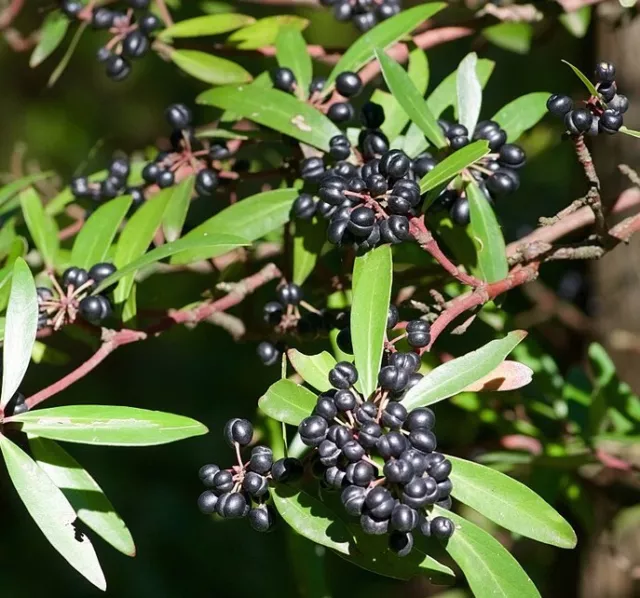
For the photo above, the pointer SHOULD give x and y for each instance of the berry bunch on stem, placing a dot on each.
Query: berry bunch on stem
(364, 14)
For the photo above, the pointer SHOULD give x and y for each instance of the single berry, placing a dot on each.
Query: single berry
(424, 164)
(372, 115)
(343, 375)
(610, 122)
(16, 405)
(365, 21)
(440, 471)
(80, 187)
(283, 79)
(178, 116)
(135, 44)
(348, 84)
(421, 417)
(207, 502)
(423, 439)
(290, 294)
(102, 18)
(313, 430)
(605, 72)
(254, 484)
(71, 8)
(268, 353)
(394, 229)
(304, 207)
(366, 412)
(373, 526)
(398, 471)
(312, 170)
(344, 400)
(503, 182)
(379, 502)
(369, 433)
(459, 211)
(317, 84)
(405, 361)
(272, 312)
(442, 528)
(392, 444)
(419, 492)
(232, 505)
(239, 431)
(418, 333)
(511, 156)
(458, 142)
(149, 23)
(328, 453)
(444, 489)
(75, 277)
(394, 415)
(288, 469)
(117, 67)
(339, 147)
(393, 378)
(206, 182)
(361, 221)
(559, 104)
(393, 315)
(95, 308)
(409, 190)
(401, 542)
(352, 498)
(404, 518)
(150, 172)
(416, 459)
(395, 163)
(360, 473)
(222, 481)
(341, 112)
(262, 518)
(339, 435)
(619, 103)
(353, 451)
(386, 10)
(261, 459)
(334, 478)
(165, 179)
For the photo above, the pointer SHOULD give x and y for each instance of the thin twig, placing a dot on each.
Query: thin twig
(164, 12)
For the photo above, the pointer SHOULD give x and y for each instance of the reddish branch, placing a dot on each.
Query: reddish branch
(8, 15)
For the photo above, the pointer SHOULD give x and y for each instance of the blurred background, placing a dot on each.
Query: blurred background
(78, 124)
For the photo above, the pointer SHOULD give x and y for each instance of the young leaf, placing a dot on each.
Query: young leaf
(207, 25)
(42, 227)
(288, 402)
(410, 99)
(136, 237)
(84, 494)
(487, 235)
(469, 92)
(372, 278)
(108, 425)
(309, 238)
(291, 52)
(587, 83)
(311, 518)
(515, 37)
(453, 165)
(489, 567)
(177, 208)
(52, 512)
(209, 68)
(382, 36)
(509, 503)
(53, 30)
(265, 31)
(10, 189)
(522, 114)
(454, 376)
(251, 218)
(20, 330)
(94, 239)
(62, 65)
(314, 369)
(277, 110)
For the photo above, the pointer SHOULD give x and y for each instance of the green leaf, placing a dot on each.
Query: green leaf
(410, 99)
(62, 65)
(14, 187)
(250, 219)
(136, 237)
(265, 31)
(627, 131)
(515, 37)
(83, 492)
(454, 164)
(207, 25)
(577, 22)
(287, 402)
(381, 36)
(468, 92)
(454, 376)
(587, 83)
(308, 241)
(314, 369)
(17, 249)
(52, 512)
(94, 239)
(509, 503)
(311, 518)
(291, 52)
(42, 227)
(372, 279)
(209, 68)
(20, 330)
(487, 235)
(277, 110)
(108, 425)
(489, 567)
(177, 208)
(522, 114)
(52, 32)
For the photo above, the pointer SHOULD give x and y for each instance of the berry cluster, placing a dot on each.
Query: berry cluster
(601, 113)
(71, 296)
(355, 438)
(364, 14)
(243, 489)
(130, 32)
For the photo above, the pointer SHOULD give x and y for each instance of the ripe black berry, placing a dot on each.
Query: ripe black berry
(372, 115)
(422, 439)
(16, 405)
(423, 164)
(343, 375)
(178, 116)
(619, 103)
(364, 21)
(339, 147)
(71, 8)
(95, 308)
(268, 353)
(404, 518)
(117, 67)
(255, 484)
(360, 473)
(459, 211)
(394, 415)
(222, 481)
(401, 542)
(398, 471)
(344, 400)
(348, 84)
(328, 453)
(312, 169)
(392, 444)
(366, 412)
(369, 434)
(442, 528)
(405, 361)
(610, 122)
(238, 430)
(444, 489)
(232, 505)
(80, 187)
(393, 315)
(578, 121)
(135, 44)
(559, 104)
(395, 163)
(149, 23)
(421, 417)
(608, 91)
(511, 156)
(286, 470)
(101, 271)
(206, 182)
(165, 179)
(352, 498)
(353, 451)
(379, 502)
(317, 84)
(313, 430)
(440, 471)
(339, 435)
(334, 478)
(207, 502)
(394, 229)
(605, 72)
(393, 378)
(361, 221)
(416, 459)
(283, 79)
(304, 207)
(261, 459)
(373, 526)
(290, 294)
(341, 112)
(102, 18)
(419, 492)
(418, 333)
(503, 182)
(262, 518)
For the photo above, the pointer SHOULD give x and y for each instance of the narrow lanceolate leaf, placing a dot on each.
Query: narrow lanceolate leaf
(311, 518)
(52, 33)
(250, 219)
(509, 503)
(487, 235)
(209, 68)
(291, 53)
(277, 110)
(20, 330)
(136, 237)
(454, 376)
(287, 402)
(469, 92)
(52, 512)
(207, 25)
(314, 369)
(42, 227)
(62, 65)
(587, 82)
(382, 36)
(14, 187)
(631, 132)
(309, 238)
(94, 239)
(108, 425)
(83, 492)
(177, 209)
(265, 31)
(490, 569)
(410, 99)
(372, 278)
(522, 114)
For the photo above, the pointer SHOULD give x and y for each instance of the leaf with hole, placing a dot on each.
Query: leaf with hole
(287, 402)
(209, 68)
(314, 369)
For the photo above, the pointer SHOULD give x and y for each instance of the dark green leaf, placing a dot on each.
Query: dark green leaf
(515, 37)
(309, 238)
(62, 65)
(108, 425)
(209, 68)
(372, 278)
(265, 31)
(42, 227)
(487, 235)
(52, 32)
(52, 512)
(631, 132)
(522, 114)
(587, 83)
(94, 239)
(468, 92)
(509, 503)
(177, 209)
(453, 165)
(287, 402)
(207, 25)
(14, 187)
(454, 376)
(84, 494)
(291, 52)
(20, 330)
(382, 36)
(277, 110)
(314, 369)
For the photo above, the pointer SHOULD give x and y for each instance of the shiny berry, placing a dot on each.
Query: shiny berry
(312, 169)
(392, 444)
(255, 484)
(442, 528)
(394, 414)
(135, 44)
(559, 104)
(341, 112)
(283, 79)
(395, 163)
(339, 147)
(422, 439)
(165, 179)
(348, 84)
(372, 115)
(95, 308)
(178, 116)
(360, 473)
(352, 498)
(421, 417)
(373, 526)
(366, 412)
(239, 431)
(222, 481)
(232, 505)
(290, 294)
(392, 378)
(460, 212)
(288, 469)
(117, 67)
(101, 271)
(610, 122)
(207, 502)
(405, 361)
(313, 430)
(102, 18)
(419, 492)
(361, 221)
(206, 182)
(398, 471)
(343, 375)
(345, 400)
(268, 353)
(369, 433)
(380, 502)
(619, 103)
(304, 207)
(440, 471)
(262, 518)
(511, 156)
(353, 451)
(149, 23)
(394, 229)
(393, 315)
(261, 459)
(605, 72)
